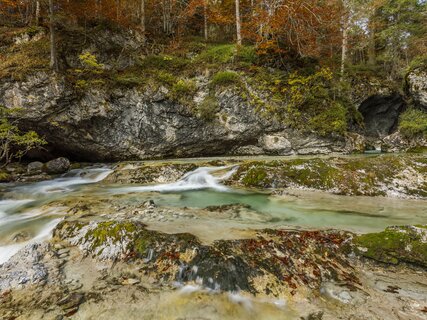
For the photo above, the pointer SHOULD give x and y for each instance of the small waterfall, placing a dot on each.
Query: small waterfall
(6, 252)
(201, 178)
(66, 182)
(19, 212)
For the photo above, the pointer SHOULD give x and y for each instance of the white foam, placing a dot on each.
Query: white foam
(66, 182)
(7, 205)
(199, 179)
(6, 252)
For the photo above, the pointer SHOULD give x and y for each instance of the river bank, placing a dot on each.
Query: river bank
(187, 239)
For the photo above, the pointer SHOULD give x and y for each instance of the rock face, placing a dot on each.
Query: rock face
(417, 86)
(125, 123)
(381, 114)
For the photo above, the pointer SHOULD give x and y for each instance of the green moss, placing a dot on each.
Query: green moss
(129, 79)
(413, 122)
(183, 91)
(163, 62)
(256, 176)
(418, 149)
(18, 61)
(208, 108)
(110, 231)
(225, 78)
(332, 120)
(223, 53)
(352, 176)
(394, 245)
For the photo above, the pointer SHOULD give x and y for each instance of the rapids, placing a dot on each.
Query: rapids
(27, 214)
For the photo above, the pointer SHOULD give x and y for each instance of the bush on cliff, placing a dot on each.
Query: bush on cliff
(14, 143)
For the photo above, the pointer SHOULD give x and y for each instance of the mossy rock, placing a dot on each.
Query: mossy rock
(395, 244)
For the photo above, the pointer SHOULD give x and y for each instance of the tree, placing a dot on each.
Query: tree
(205, 18)
(344, 44)
(53, 52)
(142, 17)
(14, 143)
(238, 24)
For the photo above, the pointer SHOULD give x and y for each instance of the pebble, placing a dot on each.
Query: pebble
(130, 282)
(62, 251)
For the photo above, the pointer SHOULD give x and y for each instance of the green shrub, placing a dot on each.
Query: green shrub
(332, 120)
(218, 54)
(129, 80)
(18, 61)
(225, 78)
(167, 78)
(163, 62)
(413, 122)
(14, 143)
(184, 87)
(247, 54)
(314, 102)
(418, 62)
(183, 91)
(208, 108)
(90, 63)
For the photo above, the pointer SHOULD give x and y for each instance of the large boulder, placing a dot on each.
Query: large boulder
(59, 165)
(35, 167)
(417, 86)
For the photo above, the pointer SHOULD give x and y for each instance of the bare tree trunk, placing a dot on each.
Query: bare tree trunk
(53, 54)
(344, 44)
(371, 45)
(142, 19)
(205, 12)
(37, 12)
(238, 24)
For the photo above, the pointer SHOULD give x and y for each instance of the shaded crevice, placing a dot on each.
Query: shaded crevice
(381, 114)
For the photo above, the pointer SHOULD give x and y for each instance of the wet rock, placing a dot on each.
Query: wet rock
(21, 236)
(71, 302)
(385, 175)
(355, 143)
(57, 166)
(35, 167)
(25, 268)
(395, 244)
(130, 282)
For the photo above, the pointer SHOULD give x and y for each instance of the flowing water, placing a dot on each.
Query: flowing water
(26, 214)
(23, 217)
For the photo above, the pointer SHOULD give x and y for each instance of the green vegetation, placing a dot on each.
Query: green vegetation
(314, 102)
(257, 177)
(183, 91)
(395, 244)
(225, 78)
(413, 122)
(208, 108)
(219, 54)
(19, 60)
(14, 143)
(91, 73)
(356, 176)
